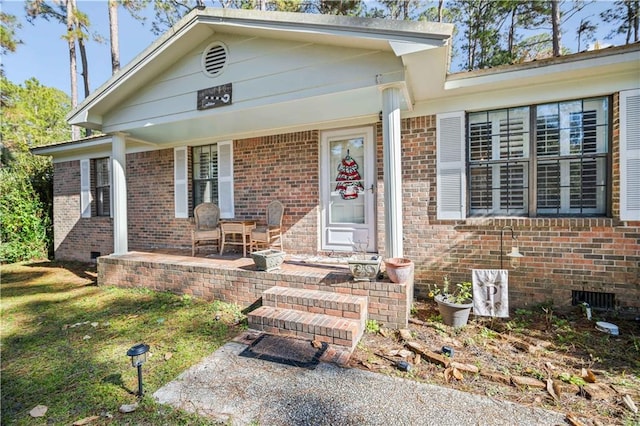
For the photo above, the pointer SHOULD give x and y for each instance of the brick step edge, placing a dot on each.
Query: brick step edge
(306, 325)
(317, 302)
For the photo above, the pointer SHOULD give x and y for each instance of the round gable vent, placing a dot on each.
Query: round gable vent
(214, 59)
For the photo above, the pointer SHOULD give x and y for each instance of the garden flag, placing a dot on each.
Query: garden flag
(349, 180)
(490, 292)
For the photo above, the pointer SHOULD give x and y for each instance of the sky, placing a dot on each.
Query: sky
(44, 54)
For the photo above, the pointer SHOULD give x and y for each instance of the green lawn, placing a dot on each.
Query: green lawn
(64, 343)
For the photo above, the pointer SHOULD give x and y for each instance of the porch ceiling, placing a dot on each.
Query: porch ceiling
(218, 124)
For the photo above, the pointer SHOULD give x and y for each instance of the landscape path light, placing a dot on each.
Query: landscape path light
(138, 354)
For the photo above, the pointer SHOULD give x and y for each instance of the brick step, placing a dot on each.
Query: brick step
(317, 302)
(307, 325)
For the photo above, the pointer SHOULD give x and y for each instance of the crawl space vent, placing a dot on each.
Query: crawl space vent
(596, 300)
(214, 59)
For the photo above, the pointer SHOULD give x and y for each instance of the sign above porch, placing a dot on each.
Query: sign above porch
(215, 97)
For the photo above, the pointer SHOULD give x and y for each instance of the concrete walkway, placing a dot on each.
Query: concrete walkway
(245, 391)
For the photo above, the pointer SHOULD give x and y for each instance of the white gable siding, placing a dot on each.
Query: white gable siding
(262, 71)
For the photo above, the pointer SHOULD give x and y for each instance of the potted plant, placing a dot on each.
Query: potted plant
(454, 304)
(399, 269)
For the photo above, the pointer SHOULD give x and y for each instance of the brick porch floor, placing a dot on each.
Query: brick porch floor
(235, 279)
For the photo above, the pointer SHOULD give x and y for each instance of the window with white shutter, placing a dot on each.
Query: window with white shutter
(630, 155)
(213, 176)
(85, 188)
(451, 202)
(181, 195)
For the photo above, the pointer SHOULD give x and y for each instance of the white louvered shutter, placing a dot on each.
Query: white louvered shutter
(451, 179)
(85, 188)
(630, 155)
(225, 179)
(180, 182)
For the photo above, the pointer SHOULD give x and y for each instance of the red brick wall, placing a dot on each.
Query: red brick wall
(285, 168)
(150, 203)
(76, 237)
(561, 255)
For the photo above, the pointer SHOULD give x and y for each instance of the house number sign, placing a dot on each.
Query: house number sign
(215, 97)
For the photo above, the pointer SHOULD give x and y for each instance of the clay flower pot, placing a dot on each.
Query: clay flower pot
(399, 269)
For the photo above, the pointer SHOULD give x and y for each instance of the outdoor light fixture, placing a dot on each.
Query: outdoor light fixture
(515, 254)
(138, 354)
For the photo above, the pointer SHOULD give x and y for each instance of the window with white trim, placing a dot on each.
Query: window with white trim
(212, 167)
(103, 186)
(543, 160)
(205, 174)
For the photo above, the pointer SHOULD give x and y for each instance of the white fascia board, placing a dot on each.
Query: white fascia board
(401, 48)
(73, 146)
(515, 73)
(352, 27)
(83, 112)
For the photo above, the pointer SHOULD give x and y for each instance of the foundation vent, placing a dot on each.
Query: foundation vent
(595, 299)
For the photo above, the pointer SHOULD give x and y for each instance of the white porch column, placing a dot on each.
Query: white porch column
(119, 194)
(392, 172)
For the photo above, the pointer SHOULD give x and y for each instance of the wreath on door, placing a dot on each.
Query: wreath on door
(349, 180)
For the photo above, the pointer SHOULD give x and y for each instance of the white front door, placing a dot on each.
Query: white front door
(348, 190)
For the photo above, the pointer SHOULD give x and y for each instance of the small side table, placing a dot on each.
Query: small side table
(240, 228)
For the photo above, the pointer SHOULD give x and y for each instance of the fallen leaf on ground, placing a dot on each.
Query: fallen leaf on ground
(168, 356)
(630, 404)
(573, 420)
(457, 374)
(405, 334)
(450, 372)
(383, 332)
(405, 353)
(86, 337)
(38, 411)
(553, 389)
(588, 375)
(94, 324)
(85, 421)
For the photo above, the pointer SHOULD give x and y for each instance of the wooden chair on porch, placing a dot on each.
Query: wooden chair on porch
(207, 229)
(269, 236)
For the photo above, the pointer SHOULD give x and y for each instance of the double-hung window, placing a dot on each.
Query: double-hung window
(103, 187)
(544, 160)
(212, 168)
(205, 174)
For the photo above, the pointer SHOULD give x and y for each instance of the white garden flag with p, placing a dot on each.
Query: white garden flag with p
(491, 292)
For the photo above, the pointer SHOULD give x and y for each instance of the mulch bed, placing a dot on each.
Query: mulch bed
(537, 357)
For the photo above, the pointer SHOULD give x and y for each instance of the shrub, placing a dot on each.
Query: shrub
(23, 218)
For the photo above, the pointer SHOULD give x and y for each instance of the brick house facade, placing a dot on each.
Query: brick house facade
(562, 255)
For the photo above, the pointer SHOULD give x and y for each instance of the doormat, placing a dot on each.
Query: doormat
(285, 350)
